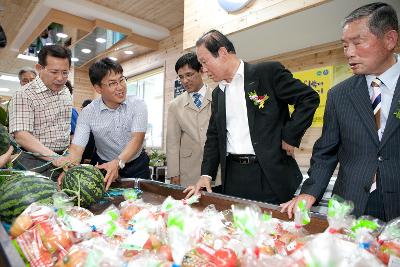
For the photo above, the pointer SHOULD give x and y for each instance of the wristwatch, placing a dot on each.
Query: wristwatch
(121, 164)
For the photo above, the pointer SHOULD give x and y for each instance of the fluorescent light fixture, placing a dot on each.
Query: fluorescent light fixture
(86, 51)
(9, 78)
(74, 59)
(26, 57)
(113, 58)
(49, 43)
(62, 35)
(4, 90)
(101, 40)
(128, 52)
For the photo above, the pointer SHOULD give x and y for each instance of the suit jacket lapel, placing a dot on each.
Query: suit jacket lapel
(250, 84)
(221, 119)
(359, 96)
(206, 99)
(392, 122)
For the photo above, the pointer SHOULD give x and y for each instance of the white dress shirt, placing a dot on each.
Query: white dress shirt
(237, 123)
(389, 79)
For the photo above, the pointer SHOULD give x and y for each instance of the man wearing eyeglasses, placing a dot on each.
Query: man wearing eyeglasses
(40, 114)
(187, 124)
(118, 124)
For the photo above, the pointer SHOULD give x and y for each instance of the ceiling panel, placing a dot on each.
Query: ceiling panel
(165, 13)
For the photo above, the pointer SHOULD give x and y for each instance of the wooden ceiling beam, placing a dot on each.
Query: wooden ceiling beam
(143, 41)
(60, 17)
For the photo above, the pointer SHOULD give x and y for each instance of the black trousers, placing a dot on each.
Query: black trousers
(137, 168)
(248, 181)
(29, 162)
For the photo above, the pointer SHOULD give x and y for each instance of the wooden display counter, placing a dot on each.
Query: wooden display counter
(155, 192)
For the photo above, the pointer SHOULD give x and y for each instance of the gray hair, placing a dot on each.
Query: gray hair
(381, 18)
(24, 70)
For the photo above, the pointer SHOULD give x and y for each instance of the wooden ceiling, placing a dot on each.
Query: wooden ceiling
(167, 13)
(14, 13)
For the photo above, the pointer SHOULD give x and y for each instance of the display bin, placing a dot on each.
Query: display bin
(155, 192)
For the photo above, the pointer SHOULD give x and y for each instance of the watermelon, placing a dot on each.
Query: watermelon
(4, 139)
(19, 191)
(84, 181)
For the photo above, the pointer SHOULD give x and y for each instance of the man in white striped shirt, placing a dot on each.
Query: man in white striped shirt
(118, 123)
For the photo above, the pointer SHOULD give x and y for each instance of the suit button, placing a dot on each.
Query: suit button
(380, 158)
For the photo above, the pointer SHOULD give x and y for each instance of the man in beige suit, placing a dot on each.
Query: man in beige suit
(188, 117)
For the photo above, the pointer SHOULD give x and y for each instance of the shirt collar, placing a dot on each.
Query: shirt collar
(40, 86)
(202, 91)
(103, 106)
(239, 74)
(389, 77)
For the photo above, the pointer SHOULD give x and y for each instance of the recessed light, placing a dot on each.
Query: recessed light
(74, 59)
(86, 51)
(26, 57)
(3, 89)
(100, 40)
(113, 58)
(128, 52)
(62, 35)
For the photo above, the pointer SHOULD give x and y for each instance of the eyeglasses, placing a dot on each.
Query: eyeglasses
(114, 84)
(188, 75)
(64, 73)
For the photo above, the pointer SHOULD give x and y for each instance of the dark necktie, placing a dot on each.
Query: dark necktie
(196, 99)
(376, 101)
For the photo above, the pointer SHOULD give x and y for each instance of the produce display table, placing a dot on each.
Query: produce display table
(155, 192)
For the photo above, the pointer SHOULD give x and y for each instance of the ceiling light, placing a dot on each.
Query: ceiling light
(9, 78)
(113, 58)
(86, 51)
(62, 35)
(101, 40)
(128, 52)
(26, 57)
(49, 43)
(5, 90)
(74, 59)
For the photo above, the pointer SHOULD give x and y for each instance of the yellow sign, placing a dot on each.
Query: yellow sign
(321, 80)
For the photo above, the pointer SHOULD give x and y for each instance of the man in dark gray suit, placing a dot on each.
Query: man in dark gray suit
(361, 128)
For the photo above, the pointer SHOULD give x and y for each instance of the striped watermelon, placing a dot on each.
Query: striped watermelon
(86, 182)
(19, 191)
(4, 139)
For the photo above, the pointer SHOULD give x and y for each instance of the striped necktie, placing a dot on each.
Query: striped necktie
(376, 101)
(196, 99)
(376, 107)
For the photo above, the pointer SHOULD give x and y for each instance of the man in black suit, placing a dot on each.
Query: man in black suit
(361, 121)
(251, 132)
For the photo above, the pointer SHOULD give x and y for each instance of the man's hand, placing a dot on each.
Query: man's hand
(176, 180)
(112, 168)
(63, 162)
(291, 205)
(288, 148)
(203, 182)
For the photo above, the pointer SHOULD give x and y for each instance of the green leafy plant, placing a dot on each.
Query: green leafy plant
(157, 158)
(3, 117)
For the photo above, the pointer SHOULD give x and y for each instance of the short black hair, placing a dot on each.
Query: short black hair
(86, 102)
(213, 40)
(54, 51)
(189, 59)
(101, 68)
(381, 18)
(25, 70)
